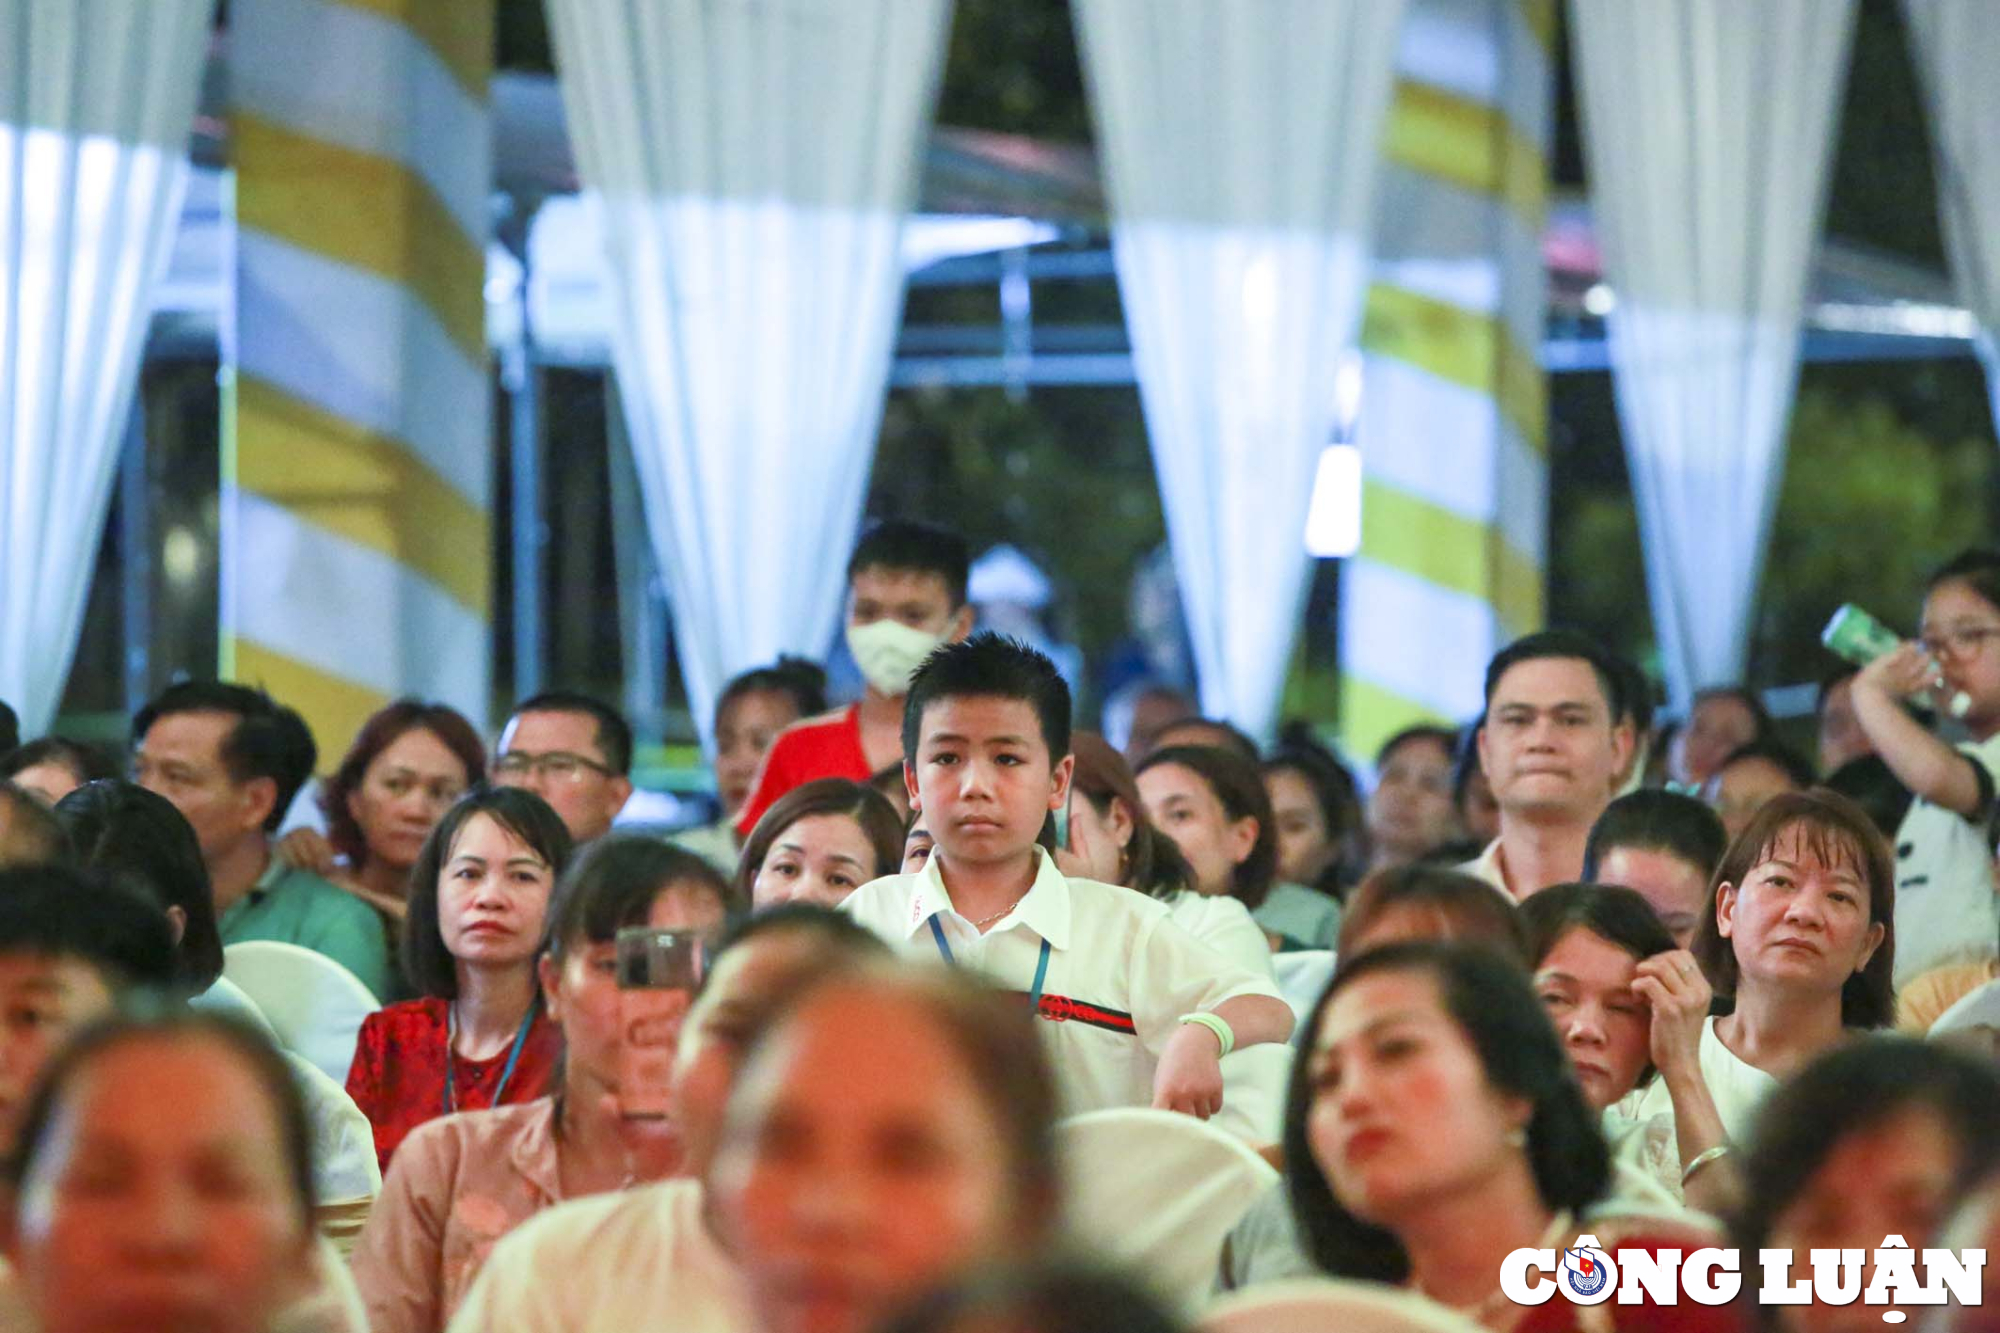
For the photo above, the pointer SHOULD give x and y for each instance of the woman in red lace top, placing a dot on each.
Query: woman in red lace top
(479, 900)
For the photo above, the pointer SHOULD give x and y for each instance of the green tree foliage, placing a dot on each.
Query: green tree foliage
(1064, 475)
(1870, 505)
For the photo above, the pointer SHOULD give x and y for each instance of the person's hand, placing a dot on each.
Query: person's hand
(1678, 995)
(306, 849)
(1906, 671)
(1189, 1077)
(1074, 860)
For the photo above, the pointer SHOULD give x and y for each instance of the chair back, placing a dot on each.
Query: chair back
(1157, 1191)
(314, 1003)
(1302, 977)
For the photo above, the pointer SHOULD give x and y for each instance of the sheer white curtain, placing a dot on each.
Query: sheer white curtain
(96, 100)
(755, 159)
(1708, 125)
(1239, 140)
(1956, 45)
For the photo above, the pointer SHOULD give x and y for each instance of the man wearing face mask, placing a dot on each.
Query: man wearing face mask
(905, 597)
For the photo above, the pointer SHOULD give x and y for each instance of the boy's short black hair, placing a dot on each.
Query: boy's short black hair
(10, 727)
(53, 911)
(1562, 643)
(990, 666)
(614, 733)
(269, 739)
(918, 548)
(1657, 821)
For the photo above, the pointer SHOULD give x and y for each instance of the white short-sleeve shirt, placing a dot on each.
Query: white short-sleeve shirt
(1224, 925)
(1120, 974)
(1945, 907)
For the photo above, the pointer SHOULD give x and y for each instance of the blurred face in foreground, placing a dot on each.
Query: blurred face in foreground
(131, 1221)
(861, 1165)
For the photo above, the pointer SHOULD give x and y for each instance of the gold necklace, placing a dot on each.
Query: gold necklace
(985, 921)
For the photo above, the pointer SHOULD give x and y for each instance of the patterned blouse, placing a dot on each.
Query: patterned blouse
(398, 1078)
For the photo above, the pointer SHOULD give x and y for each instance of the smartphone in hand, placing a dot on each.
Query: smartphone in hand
(658, 972)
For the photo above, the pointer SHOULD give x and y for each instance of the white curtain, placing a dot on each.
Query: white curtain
(1956, 45)
(1239, 140)
(1708, 125)
(96, 101)
(756, 159)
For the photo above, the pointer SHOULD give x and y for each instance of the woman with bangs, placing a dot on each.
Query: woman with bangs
(1797, 941)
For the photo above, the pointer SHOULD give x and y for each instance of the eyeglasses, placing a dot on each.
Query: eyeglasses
(556, 766)
(1959, 641)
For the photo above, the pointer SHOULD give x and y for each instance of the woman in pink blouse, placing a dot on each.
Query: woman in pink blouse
(460, 1183)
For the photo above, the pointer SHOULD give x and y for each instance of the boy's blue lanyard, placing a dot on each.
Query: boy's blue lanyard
(506, 1073)
(1041, 964)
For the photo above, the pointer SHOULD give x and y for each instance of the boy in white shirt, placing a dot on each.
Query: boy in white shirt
(1139, 1012)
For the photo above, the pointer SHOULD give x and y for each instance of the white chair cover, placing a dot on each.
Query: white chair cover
(1978, 1008)
(315, 1004)
(1302, 976)
(1318, 1305)
(1254, 1080)
(1156, 1191)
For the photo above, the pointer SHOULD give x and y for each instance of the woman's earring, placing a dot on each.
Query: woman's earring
(1517, 1137)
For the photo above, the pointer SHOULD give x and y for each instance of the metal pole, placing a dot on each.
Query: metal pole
(528, 530)
(135, 556)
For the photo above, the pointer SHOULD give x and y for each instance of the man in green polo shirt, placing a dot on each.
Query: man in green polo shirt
(231, 759)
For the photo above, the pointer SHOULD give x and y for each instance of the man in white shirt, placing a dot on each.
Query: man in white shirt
(1552, 745)
(1139, 1012)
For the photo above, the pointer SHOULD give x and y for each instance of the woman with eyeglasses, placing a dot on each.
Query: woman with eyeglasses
(1949, 914)
(478, 1036)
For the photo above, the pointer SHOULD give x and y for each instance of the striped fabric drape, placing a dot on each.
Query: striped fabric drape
(96, 99)
(356, 542)
(1454, 406)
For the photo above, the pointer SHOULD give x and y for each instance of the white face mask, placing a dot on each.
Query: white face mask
(889, 653)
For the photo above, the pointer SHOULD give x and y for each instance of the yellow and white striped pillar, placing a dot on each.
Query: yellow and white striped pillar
(1454, 406)
(356, 540)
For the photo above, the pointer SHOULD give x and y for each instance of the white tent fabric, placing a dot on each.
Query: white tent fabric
(1708, 126)
(96, 100)
(1240, 154)
(1956, 46)
(755, 159)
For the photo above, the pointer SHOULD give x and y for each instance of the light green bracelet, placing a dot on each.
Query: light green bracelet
(1215, 1025)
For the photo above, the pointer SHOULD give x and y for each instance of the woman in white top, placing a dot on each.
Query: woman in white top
(1630, 1007)
(1112, 841)
(1798, 935)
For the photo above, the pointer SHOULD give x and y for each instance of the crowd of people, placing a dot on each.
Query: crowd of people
(1556, 972)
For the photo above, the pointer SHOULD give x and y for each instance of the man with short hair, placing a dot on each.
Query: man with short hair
(575, 753)
(905, 599)
(231, 759)
(1552, 745)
